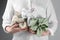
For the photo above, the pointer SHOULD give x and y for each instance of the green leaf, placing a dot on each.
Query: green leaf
(40, 20)
(38, 32)
(45, 21)
(33, 27)
(33, 22)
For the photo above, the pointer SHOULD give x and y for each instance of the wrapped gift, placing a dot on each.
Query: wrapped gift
(19, 19)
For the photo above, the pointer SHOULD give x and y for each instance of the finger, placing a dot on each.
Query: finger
(14, 26)
(31, 31)
(16, 30)
(44, 33)
(24, 28)
(48, 32)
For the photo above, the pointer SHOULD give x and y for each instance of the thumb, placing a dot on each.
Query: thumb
(17, 29)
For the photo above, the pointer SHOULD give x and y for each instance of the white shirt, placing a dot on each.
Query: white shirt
(40, 6)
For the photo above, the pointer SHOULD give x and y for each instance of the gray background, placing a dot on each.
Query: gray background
(4, 36)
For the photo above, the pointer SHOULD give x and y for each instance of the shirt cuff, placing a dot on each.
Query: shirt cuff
(51, 31)
(4, 27)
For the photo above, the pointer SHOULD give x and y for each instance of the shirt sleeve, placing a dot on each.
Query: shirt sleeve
(53, 19)
(7, 16)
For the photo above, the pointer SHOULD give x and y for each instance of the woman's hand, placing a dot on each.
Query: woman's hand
(46, 33)
(31, 31)
(14, 28)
